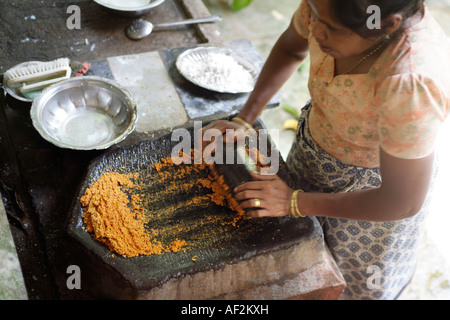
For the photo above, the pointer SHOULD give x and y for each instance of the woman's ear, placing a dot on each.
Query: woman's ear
(392, 23)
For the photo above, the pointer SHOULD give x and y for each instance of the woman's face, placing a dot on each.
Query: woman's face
(333, 38)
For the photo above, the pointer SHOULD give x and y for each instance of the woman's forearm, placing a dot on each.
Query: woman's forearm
(285, 58)
(401, 195)
(366, 205)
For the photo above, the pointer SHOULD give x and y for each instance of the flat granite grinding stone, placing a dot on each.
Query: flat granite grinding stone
(271, 258)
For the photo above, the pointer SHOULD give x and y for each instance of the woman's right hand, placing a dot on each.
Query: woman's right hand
(211, 132)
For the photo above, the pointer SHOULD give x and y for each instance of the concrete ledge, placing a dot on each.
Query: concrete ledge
(12, 285)
(303, 271)
(209, 32)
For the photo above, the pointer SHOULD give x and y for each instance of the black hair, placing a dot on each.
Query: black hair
(353, 15)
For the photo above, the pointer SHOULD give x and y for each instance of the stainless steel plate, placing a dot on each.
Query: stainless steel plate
(129, 7)
(218, 69)
(84, 113)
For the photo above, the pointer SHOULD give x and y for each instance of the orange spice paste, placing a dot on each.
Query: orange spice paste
(118, 220)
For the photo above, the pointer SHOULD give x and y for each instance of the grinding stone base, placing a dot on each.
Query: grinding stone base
(303, 271)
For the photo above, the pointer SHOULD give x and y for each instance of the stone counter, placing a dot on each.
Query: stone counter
(12, 285)
(39, 180)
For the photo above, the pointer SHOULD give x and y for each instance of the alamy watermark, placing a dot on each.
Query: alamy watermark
(74, 20)
(373, 281)
(74, 280)
(374, 277)
(374, 20)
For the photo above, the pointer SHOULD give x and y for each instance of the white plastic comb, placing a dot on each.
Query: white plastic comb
(39, 75)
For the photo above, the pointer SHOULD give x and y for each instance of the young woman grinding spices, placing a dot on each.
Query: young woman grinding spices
(364, 151)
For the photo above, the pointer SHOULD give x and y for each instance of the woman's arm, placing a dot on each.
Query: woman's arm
(285, 58)
(402, 193)
(289, 52)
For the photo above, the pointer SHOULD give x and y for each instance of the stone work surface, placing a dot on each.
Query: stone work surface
(12, 286)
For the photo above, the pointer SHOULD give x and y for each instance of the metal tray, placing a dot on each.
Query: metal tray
(191, 64)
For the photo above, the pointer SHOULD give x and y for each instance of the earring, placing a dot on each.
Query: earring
(387, 36)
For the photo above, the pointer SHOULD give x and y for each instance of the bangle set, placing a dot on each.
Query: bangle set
(295, 211)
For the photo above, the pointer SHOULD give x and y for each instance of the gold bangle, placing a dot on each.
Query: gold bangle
(294, 194)
(243, 122)
(295, 211)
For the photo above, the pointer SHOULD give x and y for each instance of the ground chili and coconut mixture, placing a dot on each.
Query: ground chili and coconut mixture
(124, 211)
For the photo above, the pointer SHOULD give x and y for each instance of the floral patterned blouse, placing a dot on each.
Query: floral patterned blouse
(399, 105)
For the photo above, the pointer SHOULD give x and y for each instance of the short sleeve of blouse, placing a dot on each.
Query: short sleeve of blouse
(412, 109)
(301, 19)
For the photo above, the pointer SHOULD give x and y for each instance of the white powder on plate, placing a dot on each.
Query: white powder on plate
(221, 72)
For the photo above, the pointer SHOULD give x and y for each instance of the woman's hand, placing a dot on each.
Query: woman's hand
(220, 127)
(273, 194)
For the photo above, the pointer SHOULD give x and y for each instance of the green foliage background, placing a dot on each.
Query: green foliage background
(237, 5)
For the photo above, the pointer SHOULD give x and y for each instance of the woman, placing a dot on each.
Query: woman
(364, 152)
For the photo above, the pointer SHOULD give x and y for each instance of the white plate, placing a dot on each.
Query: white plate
(234, 74)
(129, 5)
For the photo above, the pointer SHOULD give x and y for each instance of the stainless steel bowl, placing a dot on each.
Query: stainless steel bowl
(131, 8)
(84, 113)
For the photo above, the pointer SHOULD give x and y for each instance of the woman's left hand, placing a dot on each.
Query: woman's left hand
(269, 196)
